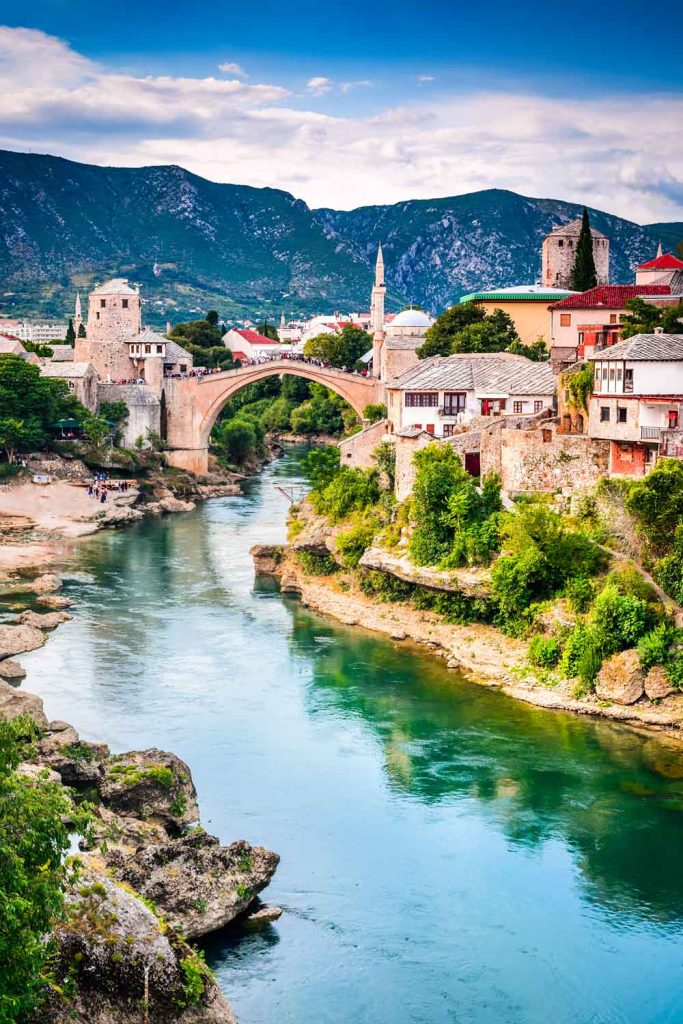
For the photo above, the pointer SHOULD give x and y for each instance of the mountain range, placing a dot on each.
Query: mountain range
(194, 244)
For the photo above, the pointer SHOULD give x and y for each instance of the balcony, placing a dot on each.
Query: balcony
(450, 411)
(650, 433)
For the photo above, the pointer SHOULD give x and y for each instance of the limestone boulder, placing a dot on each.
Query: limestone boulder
(77, 762)
(17, 639)
(37, 772)
(15, 702)
(117, 965)
(54, 601)
(151, 784)
(44, 620)
(621, 679)
(657, 685)
(110, 832)
(267, 558)
(48, 583)
(173, 504)
(197, 883)
(11, 671)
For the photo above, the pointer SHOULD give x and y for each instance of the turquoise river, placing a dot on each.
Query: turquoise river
(449, 855)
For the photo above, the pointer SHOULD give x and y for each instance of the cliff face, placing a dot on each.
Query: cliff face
(194, 244)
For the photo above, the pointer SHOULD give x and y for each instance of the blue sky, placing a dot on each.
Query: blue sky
(358, 102)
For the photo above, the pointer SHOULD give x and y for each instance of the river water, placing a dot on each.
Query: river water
(449, 855)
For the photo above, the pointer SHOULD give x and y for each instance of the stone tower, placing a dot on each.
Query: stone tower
(378, 293)
(559, 253)
(114, 311)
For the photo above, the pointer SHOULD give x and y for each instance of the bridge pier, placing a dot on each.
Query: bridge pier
(192, 460)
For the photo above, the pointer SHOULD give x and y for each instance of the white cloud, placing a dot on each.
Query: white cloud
(319, 85)
(230, 68)
(620, 153)
(348, 86)
(425, 78)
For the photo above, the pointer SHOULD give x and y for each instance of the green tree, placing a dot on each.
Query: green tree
(96, 429)
(643, 318)
(583, 274)
(268, 331)
(81, 331)
(19, 435)
(343, 349)
(36, 817)
(375, 412)
(238, 439)
(200, 333)
(656, 503)
(116, 412)
(212, 318)
(321, 465)
(538, 351)
(70, 333)
(33, 401)
(439, 337)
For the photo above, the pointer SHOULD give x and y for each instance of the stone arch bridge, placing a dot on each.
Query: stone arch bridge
(193, 403)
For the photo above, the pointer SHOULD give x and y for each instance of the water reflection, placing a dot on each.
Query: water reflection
(614, 796)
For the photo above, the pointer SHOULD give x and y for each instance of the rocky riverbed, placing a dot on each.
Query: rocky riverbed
(151, 878)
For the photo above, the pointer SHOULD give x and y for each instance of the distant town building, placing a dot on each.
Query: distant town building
(34, 331)
(637, 401)
(660, 270)
(394, 349)
(559, 254)
(527, 305)
(245, 344)
(81, 379)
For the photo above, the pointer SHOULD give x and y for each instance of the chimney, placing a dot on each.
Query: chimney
(659, 330)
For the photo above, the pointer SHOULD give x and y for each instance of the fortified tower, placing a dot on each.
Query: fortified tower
(114, 311)
(559, 254)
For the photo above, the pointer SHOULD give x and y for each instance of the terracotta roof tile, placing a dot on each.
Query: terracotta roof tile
(610, 296)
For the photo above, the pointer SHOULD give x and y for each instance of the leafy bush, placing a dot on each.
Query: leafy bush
(352, 542)
(317, 563)
(321, 465)
(656, 503)
(545, 651)
(579, 592)
(375, 412)
(383, 585)
(620, 620)
(349, 490)
(654, 647)
(577, 641)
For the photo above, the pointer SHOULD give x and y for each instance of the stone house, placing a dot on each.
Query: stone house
(81, 378)
(443, 394)
(637, 401)
(559, 253)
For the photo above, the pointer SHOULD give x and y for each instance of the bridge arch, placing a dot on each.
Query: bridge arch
(194, 403)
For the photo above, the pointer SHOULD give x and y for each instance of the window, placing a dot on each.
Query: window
(604, 414)
(148, 349)
(565, 319)
(160, 349)
(421, 398)
(570, 243)
(672, 419)
(448, 429)
(622, 414)
(580, 337)
(97, 316)
(124, 303)
(604, 373)
(453, 402)
(547, 435)
(429, 427)
(103, 303)
(628, 380)
(538, 405)
(611, 374)
(560, 244)
(613, 318)
(597, 376)
(517, 406)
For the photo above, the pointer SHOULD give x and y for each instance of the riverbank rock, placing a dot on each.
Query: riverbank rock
(264, 915)
(48, 583)
(173, 504)
(44, 620)
(196, 882)
(657, 685)
(115, 964)
(152, 784)
(621, 679)
(11, 671)
(470, 582)
(267, 558)
(55, 601)
(15, 702)
(19, 639)
(77, 762)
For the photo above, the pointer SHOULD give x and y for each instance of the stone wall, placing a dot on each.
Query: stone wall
(144, 409)
(405, 470)
(357, 451)
(541, 459)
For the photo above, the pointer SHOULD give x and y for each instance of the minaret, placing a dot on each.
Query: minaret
(659, 250)
(378, 293)
(78, 316)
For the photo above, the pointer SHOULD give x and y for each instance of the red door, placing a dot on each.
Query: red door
(472, 463)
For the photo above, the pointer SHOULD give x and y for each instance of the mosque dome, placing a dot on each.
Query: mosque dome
(411, 318)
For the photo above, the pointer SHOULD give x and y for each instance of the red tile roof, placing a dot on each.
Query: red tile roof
(610, 296)
(238, 355)
(254, 338)
(665, 262)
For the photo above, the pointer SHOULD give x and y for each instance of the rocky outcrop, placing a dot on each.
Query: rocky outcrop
(16, 702)
(118, 964)
(621, 679)
(54, 601)
(11, 671)
(657, 685)
(151, 784)
(267, 558)
(19, 639)
(77, 762)
(195, 882)
(44, 620)
(470, 582)
(48, 583)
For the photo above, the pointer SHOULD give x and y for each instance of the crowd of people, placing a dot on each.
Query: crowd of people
(102, 484)
(297, 357)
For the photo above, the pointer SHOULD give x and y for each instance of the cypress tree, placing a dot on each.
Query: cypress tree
(584, 275)
(81, 331)
(70, 333)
